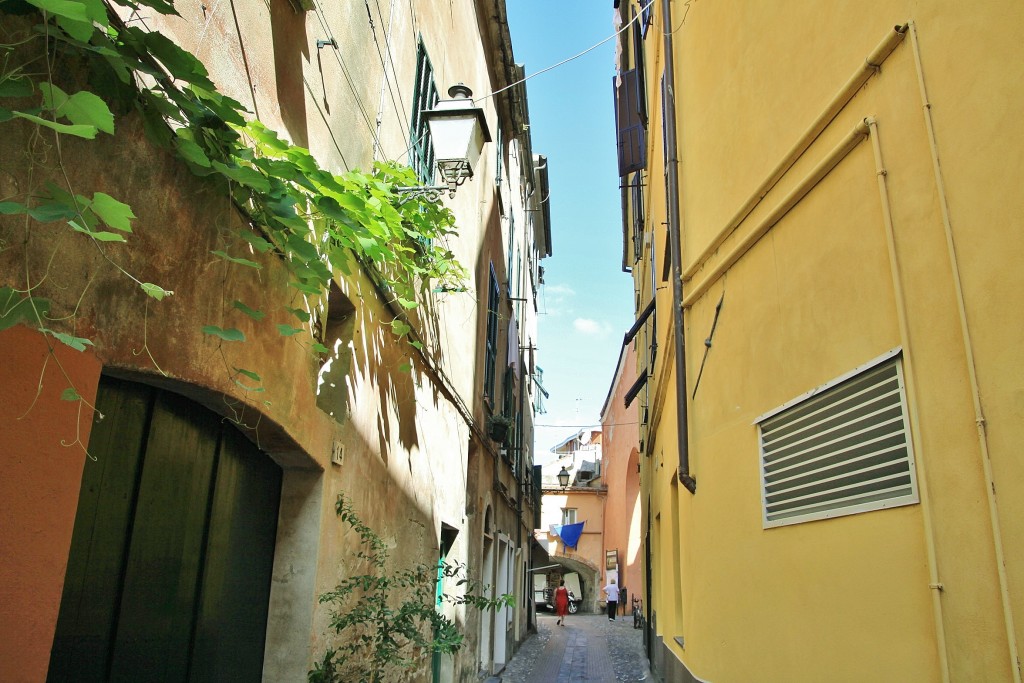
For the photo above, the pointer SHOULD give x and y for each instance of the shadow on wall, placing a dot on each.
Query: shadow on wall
(349, 333)
(291, 50)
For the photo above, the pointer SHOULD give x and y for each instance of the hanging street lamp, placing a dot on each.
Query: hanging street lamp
(458, 131)
(563, 477)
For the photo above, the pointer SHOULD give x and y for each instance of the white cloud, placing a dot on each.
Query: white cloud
(559, 290)
(591, 327)
(557, 300)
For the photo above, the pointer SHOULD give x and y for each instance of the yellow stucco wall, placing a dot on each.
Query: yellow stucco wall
(846, 599)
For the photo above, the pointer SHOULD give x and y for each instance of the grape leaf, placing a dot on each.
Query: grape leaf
(230, 334)
(79, 130)
(155, 291)
(112, 212)
(252, 313)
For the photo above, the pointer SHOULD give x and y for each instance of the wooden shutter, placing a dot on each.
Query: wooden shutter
(641, 73)
(638, 216)
(648, 16)
(630, 128)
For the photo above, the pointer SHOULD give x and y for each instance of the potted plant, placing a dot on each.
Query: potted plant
(498, 427)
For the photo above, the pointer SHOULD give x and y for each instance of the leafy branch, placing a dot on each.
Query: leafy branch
(312, 219)
(389, 620)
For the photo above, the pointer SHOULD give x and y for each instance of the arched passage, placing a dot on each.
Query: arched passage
(588, 573)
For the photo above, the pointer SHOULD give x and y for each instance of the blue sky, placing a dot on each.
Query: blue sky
(586, 304)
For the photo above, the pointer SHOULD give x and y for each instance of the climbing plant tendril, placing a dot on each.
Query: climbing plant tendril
(314, 220)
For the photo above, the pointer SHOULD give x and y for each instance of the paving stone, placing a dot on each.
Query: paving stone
(588, 648)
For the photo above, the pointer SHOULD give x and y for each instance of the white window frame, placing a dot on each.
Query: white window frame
(566, 515)
(896, 501)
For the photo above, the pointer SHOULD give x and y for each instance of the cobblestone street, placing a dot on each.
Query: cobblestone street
(588, 647)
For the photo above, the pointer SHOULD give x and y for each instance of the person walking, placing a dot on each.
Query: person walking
(612, 591)
(561, 602)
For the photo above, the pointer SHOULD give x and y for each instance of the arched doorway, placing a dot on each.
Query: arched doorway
(169, 572)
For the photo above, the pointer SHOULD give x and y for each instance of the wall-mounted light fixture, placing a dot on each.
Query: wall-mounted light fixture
(458, 130)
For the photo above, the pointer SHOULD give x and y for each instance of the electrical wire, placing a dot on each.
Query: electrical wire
(344, 70)
(569, 59)
(383, 64)
(206, 25)
(412, 145)
(327, 123)
(610, 424)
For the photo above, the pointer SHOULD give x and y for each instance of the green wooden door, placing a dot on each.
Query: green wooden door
(169, 571)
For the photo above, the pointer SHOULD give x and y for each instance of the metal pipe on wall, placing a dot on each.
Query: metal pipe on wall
(857, 135)
(979, 415)
(915, 424)
(872, 64)
(672, 185)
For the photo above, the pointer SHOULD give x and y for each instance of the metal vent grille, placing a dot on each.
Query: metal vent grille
(842, 450)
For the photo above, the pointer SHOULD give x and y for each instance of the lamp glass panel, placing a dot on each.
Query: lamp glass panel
(452, 135)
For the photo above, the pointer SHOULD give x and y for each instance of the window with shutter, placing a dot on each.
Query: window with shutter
(639, 65)
(631, 109)
(491, 351)
(421, 156)
(631, 136)
(637, 200)
(842, 449)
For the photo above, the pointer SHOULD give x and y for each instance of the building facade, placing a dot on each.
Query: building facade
(580, 501)
(167, 482)
(620, 436)
(821, 217)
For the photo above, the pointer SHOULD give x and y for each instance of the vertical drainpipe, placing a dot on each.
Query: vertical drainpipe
(672, 182)
(521, 493)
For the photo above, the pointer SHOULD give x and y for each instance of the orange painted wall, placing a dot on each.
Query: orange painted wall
(589, 505)
(622, 508)
(38, 491)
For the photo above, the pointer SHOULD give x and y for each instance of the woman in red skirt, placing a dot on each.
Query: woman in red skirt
(561, 602)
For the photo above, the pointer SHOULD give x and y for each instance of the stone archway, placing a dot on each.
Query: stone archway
(589, 575)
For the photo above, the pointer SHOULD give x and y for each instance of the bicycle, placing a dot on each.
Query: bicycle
(638, 613)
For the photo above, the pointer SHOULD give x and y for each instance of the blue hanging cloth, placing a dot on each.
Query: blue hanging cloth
(571, 534)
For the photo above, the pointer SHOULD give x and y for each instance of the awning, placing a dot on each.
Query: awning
(637, 386)
(641, 319)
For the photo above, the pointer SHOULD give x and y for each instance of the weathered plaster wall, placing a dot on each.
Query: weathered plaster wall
(42, 452)
(406, 445)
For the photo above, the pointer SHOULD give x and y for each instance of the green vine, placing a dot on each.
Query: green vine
(314, 220)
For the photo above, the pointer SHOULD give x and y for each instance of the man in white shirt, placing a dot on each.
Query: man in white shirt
(612, 591)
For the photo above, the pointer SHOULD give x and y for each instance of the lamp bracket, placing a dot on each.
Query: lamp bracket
(429, 192)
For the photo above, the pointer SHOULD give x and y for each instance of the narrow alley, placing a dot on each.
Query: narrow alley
(588, 648)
